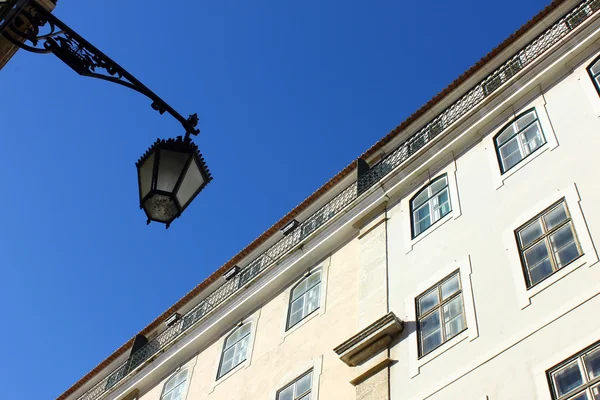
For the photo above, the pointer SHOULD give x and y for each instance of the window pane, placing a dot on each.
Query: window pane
(596, 392)
(177, 393)
(442, 205)
(567, 254)
(438, 185)
(454, 326)
(167, 396)
(596, 68)
(530, 233)
(422, 225)
(453, 309)
(526, 119)
(295, 318)
(533, 137)
(536, 254)
(420, 199)
(428, 301)
(313, 279)
(170, 385)
(568, 379)
(300, 289)
(181, 376)
(540, 271)
(555, 216)
(307, 397)
(450, 287)
(562, 237)
(312, 302)
(304, 384)
(505, 135)
(453, 317)
(431, 342)
(287, 393)
(580, 396)
(592, 364)
(510, 153)
(430, 324)
(226, 367)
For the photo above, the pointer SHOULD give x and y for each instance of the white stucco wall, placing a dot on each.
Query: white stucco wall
(514, 335)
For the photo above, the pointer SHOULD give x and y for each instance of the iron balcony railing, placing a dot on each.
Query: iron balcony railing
(340, 202)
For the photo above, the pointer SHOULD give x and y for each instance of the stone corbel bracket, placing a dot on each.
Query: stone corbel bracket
(370, 341)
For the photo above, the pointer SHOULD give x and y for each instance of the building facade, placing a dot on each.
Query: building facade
(456, 259)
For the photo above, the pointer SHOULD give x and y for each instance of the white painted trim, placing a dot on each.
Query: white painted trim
(315, 363)
(450, 171)
(253, 320)
(471, 332)
(324, 267)
(589, 257)
(539, 104)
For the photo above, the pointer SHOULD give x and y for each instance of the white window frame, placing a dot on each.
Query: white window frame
(253, 319)
(449, 170)
(185, 383)
(431, 202)
(246, 337)
(294, 382)
(439, 306)
(304, 296)
(534, 100)
(544, 237)
(463, 265)
(589, 257)
(286, 297)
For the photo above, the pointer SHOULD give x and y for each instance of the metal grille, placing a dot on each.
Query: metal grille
(334, 207)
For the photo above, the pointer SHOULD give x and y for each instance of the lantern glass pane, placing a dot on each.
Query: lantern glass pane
(145, 175)
(190, 184)
(170, 166)
(160, 207)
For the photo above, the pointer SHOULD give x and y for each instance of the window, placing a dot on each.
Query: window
(175, 386)
(430, 205)
(519, 139)
(235, 349)
(547, 243)
(594, 71)
(577, 378)
(305, 298)
(440, 314)
(298, 390)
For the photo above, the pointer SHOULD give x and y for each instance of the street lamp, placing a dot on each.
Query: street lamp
(172, 172)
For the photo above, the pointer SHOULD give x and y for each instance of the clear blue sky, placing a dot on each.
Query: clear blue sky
(288, 93)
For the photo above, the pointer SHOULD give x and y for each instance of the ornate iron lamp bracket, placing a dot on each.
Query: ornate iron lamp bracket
(36, 30)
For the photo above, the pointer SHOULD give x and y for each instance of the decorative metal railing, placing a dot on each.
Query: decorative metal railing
(339, 203)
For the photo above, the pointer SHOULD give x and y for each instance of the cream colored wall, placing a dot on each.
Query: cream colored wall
(512, 337)
(278, 358)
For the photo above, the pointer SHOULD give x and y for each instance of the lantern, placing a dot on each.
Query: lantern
(170, 175)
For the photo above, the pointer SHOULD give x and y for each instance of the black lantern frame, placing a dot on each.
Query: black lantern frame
(160, 194)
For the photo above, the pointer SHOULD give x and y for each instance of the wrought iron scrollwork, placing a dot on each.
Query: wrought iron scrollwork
(35, 29)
